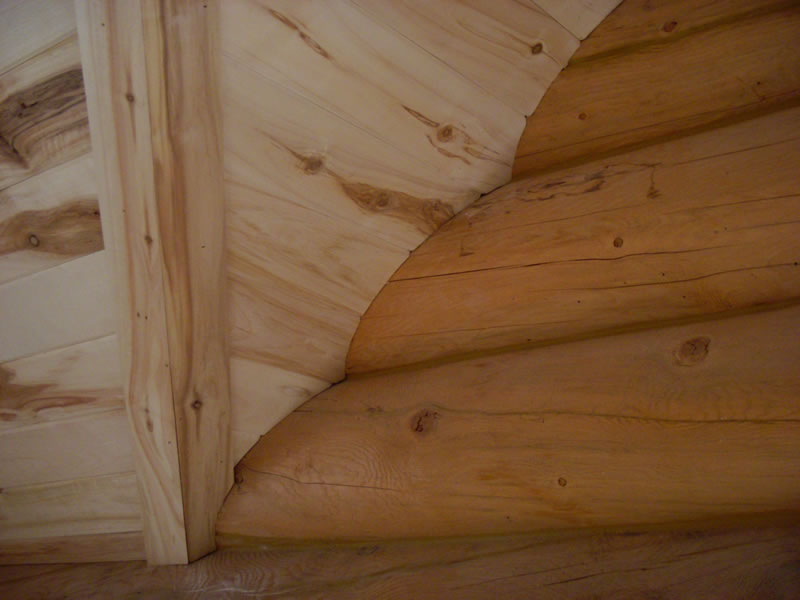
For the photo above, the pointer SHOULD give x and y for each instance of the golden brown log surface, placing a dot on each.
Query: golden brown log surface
(694, 226)
(749, 558)
(656, 70)
(684, 422)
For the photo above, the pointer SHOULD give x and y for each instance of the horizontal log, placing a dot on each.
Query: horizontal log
(695, 226)
(647, 79)
(684, 422)
(749, 558)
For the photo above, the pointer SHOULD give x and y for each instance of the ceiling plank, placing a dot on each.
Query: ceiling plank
(151, 91)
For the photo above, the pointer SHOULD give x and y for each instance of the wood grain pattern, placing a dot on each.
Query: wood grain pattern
(94, 505)
(639, 83)
(68, 449)
(61, 306)
(750, 558)
(685, 422)
(579, 16)
(151, 81)
(493, 44)
(104, 547)
(49, 219)
(352, 131)
(70, 382)
(694, 226)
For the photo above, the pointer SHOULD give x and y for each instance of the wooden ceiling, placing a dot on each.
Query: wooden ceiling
(608, 341)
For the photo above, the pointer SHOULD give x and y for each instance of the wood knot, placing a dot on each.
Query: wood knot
(537, 48)
(424, 421)
(33, 240)
(197, 404)
(692, 352)
(562, 482)
(149, 239)
(445, 134)
(312, 165)
(670, 26)
(583, 116)
(130, 97)
(618, 241)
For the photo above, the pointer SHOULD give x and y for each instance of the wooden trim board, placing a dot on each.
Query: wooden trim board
(151, 89)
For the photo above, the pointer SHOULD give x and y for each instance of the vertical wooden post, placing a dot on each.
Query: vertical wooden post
(150, 73)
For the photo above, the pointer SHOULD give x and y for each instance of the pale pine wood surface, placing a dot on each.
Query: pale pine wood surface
(70, 303)
(82, 447)
(48, 219)
(43, 119)
(684, 422)
(151, 86)
(93, 505)
(62, 384)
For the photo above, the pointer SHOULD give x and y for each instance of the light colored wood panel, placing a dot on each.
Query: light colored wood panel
(42, 113)
(241, 442)
(579, 16)
(72, 449)
(741, 560)
(61, 57)
(31, 26)
(732, 68)
(276, 323)
(360, 70)
(106, 547)
(513, 50)
(326, 257)
(62, 384)
(151, 77)
(324, 163)
(61, 306)
(263, 394)
(700, 225)
(94, 505)
(49, 219)
(677, 423)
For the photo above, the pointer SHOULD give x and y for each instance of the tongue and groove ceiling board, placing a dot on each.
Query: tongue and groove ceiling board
(352, 131)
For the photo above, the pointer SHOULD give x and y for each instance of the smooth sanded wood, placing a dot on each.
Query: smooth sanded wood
(654, 71)
(677, 423)
(31, 26)
(62, 384)
(49, 219)
(743, 559)
(699, 225)
(104, 547)
(64, 305)
(151, 82)
(93, 505)
(86, 446)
